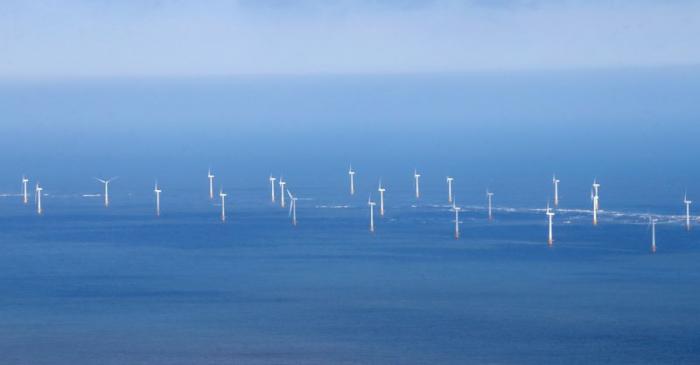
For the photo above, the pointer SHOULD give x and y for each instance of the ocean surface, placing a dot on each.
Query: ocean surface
(85, 284)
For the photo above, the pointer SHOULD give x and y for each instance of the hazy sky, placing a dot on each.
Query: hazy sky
(194, 37)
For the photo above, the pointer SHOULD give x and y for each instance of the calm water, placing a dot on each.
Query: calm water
(85, 284)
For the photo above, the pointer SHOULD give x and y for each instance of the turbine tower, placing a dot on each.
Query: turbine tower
(351, 172)
(223, 204)
(282, 184)
(25, 189)
(652, 222)
(555, 182)
(211, 184)
(489, 196)
(595, 199)
(456, 209)
(106, 183)
(292, 208)
(449, 189)
(157, 190)
(371, 213)
(381, 198)
(416, 176)
(39, 190)
(687, 211)
(272, 188)
(550, 217)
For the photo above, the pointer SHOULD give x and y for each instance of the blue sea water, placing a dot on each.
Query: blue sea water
(86, 284)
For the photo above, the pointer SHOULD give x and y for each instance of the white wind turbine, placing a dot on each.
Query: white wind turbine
(381, 198)
(351, 172)
(595, 199)
(489, 196)
(282, 184)
(106, 183)
(550, 217)
(39, 189)
(292, 208)
(272, 188)
(25, 189)
(555, 182)
(416, 176)
(210, 176)
(687, 211)
(223, 204)
(449, 189)
(371, 213)
(456, 209)
(157, 190)
(652, 222)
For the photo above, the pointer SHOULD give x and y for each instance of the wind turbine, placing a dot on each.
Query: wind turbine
(489, 196)
(371, 213)
(416, 176)
(211, 184)
(555, 181)
(25, 190)
(381, 198)
(39, 190)
(595, 199)
(456, 209)
(351, 172)
(282, 184)
(550, 217)
(687, 211)
(652, 222)
(157, 190)
(223, 204)
(293, 208)
(449, 189)
(106, 182)
(272, 187)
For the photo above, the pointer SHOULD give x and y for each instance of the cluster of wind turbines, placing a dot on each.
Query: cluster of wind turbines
(285, 192)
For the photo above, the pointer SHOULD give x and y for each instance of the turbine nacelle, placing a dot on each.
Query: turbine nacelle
(107, 181)
(370, 202)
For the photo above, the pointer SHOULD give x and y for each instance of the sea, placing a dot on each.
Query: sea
(86, 284)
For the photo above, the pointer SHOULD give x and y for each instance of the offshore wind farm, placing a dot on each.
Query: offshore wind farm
(549, 211)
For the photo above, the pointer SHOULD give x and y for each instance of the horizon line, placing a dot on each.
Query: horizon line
(466, 72)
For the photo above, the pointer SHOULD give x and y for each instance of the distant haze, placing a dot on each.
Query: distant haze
(50, 38)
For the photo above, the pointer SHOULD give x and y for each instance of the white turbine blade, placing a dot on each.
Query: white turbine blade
(291, 206)
(290, 195)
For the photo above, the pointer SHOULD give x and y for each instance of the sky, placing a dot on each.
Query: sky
(85, 38)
